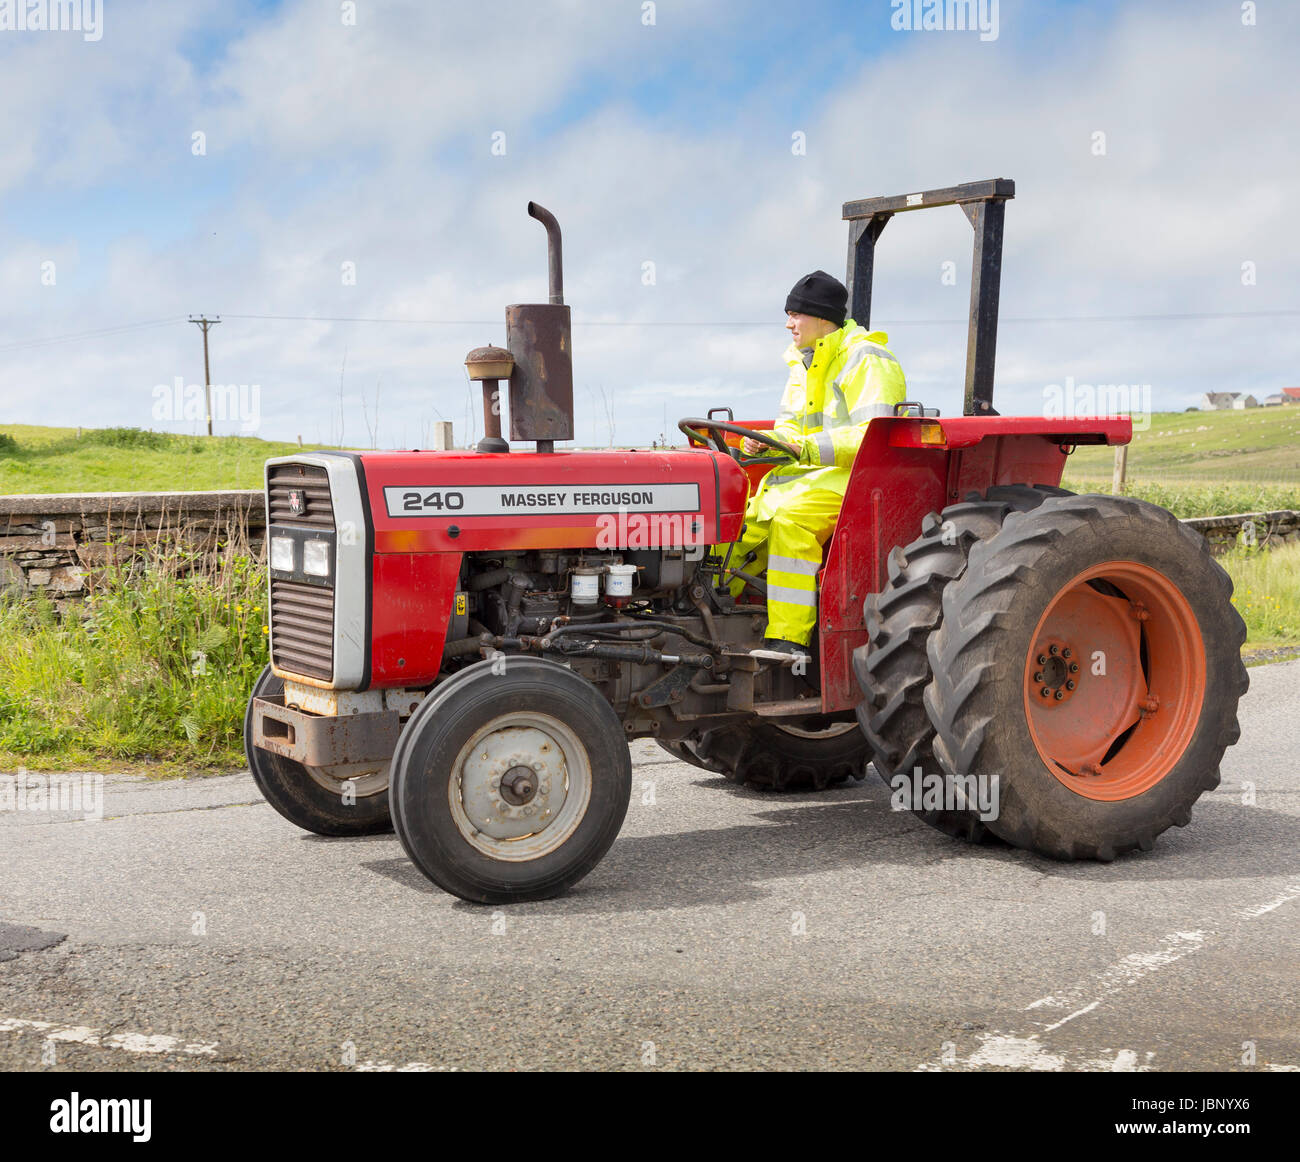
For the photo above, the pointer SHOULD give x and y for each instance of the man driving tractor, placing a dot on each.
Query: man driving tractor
(840, 377)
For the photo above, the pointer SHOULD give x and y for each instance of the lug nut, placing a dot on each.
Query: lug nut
(1065, 653)
(1042, 659)
(1053, 650)
(1045, 692)
(1060, 694)
(1074, 667)
(1038, 677)
(1070, 685)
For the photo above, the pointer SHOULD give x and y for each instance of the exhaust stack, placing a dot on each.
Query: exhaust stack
(539, 338)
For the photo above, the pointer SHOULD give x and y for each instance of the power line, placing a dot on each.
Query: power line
(963, 320)
(1191, 316)
(77, 336)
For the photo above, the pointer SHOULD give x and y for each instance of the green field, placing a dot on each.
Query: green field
(36, 459)
(1259, 447)
(1193, 463)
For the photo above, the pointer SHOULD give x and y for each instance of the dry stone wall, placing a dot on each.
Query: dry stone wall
(58, 545)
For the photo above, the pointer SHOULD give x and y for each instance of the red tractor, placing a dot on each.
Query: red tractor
(463, 643)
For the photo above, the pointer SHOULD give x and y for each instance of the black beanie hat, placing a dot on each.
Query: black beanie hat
(821, 295)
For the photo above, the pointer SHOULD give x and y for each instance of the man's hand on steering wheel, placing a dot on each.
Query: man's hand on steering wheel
(751, 437)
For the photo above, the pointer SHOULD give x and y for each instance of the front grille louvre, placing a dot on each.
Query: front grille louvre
(302, 628)
(313, 483)
(302, 616)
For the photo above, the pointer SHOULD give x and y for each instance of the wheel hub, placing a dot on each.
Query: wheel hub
(1056, 673)
(514, 782)
(1114, 680)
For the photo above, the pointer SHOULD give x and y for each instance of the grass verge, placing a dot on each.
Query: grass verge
(156, 673)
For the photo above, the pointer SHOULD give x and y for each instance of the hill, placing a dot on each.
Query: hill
(35, 459)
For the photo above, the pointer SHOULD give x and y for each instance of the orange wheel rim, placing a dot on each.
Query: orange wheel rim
(1114, 680)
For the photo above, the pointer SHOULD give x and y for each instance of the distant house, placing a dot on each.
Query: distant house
(1274, 400)
(1241, 402)
(1291, 394)
(1217, 401)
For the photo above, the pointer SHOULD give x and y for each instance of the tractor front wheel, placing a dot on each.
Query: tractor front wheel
(510, 784)
(1088, 668)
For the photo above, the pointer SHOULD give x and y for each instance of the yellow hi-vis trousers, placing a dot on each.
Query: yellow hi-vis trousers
(788, 542)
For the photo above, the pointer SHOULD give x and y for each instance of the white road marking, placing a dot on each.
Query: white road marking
(409, 1067)
(127, 1042)
(1017, 1051)
(1291, 893)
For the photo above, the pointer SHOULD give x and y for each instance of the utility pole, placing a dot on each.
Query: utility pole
(204, 324)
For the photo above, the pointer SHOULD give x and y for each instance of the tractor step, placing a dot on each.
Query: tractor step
(793, 708)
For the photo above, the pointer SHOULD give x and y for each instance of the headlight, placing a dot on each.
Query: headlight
(316, 558)
(282, 554)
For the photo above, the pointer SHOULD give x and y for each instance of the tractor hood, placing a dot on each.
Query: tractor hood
(438, 502)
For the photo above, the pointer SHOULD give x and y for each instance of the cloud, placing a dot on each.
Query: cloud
(372, 145)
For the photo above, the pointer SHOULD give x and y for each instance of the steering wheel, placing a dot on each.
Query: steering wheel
(715, 427)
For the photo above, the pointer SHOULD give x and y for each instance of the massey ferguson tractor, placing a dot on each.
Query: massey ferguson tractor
(464, 642)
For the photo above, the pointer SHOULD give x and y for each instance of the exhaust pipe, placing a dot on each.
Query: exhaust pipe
(554, 250)
(539, 338)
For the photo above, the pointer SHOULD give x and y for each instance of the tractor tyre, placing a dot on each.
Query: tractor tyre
(767, 756)
(1089, 666)
(335, 801)
(684, 750)
(510, 786)
(893, 668)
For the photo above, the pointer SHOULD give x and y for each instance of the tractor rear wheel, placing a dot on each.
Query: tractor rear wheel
(893, 668)
(770, 756)
(336, 801)
(510, 786)
(684, 751)
(1088, 666)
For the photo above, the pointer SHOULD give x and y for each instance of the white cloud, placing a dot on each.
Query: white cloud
(370, 145)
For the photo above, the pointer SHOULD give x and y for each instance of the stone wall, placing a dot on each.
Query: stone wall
(59, 545)
(1268, 529)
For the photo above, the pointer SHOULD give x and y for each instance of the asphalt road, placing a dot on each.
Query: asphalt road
(194, 929)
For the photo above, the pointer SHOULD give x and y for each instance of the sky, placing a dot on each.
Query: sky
(344, 185)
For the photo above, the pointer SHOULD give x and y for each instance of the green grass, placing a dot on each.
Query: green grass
(1256, 446)
(1204, 463)
(1267, 593)
(1189, 500)
(34, 459)
(157, 672)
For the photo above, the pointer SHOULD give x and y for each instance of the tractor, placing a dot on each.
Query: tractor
(464, 642)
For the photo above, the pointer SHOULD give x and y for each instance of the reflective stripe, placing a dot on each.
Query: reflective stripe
(813, 420)
(784, 476)
(856, 356)
(880, 352)
(793, 565)
(792, 596)
(868, 411)
(825, 448)
(841, 405)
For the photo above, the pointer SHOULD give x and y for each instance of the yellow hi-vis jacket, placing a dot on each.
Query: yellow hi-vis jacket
(826, 406)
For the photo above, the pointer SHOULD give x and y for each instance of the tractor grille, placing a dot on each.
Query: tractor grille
(302, 616)
(314, 485)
